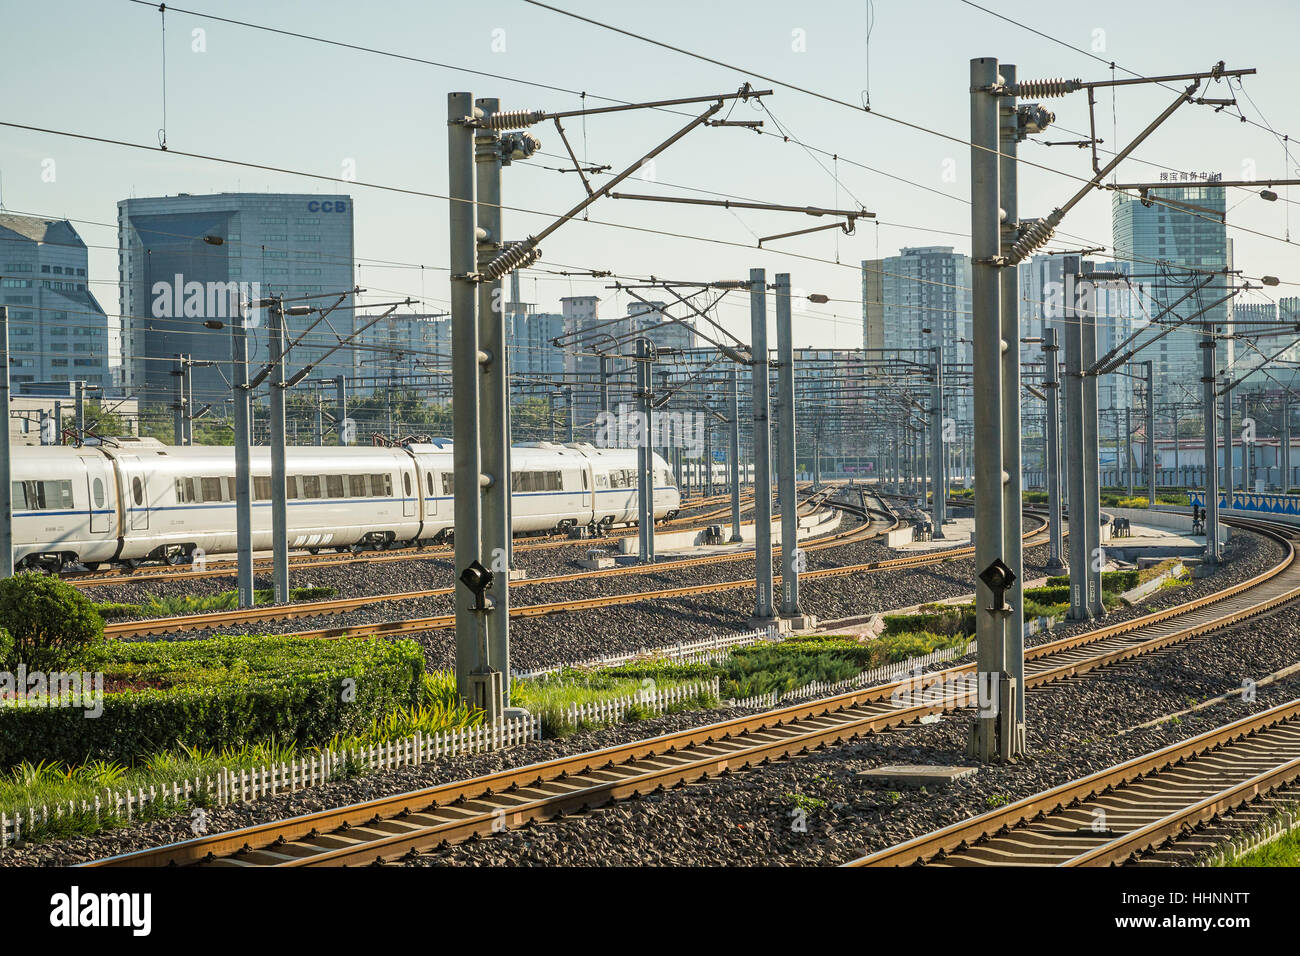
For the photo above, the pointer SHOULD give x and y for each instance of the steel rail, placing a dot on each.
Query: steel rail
(1053, 815)
(386, 828)
(223, 567)
(285, 612)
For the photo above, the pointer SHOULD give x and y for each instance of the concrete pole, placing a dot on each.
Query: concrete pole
(568, 414)
(6, 460)
(243, 456)
(1076, 473)
(785, 466)
(1092, 459)
(938, 505)
(1228, 484)
(341, 408)
(762, 395)
(473, 678)
(318, 431)
(991, 621)
(79, 411)
(604, 384)
(1178, 441)
(187, 380)
(645, 452)
(1285, 460)
(279, 500)
(1151, 434)
(1012, 739)
(494, 402)
(178, 406)
(708, 454)
(1208, 380)
(1128, 446)
(733, 450)
(1052, 386)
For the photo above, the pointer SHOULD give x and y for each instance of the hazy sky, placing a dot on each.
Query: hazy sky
(96, 68)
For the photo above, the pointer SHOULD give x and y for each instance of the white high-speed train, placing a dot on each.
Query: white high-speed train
(139, 500)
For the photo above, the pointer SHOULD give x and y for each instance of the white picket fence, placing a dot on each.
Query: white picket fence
(615, 709)
(1280, 825)
(878, 675)
(228, 786)
(701, 651)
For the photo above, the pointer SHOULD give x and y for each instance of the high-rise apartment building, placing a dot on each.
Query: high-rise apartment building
(920, 299)
(1167, 245)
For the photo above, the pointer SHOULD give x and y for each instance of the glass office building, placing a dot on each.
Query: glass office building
(185, 259)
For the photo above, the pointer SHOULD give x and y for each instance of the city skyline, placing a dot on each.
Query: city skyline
(512, 42)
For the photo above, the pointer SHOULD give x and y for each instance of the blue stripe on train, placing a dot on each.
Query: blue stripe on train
(317, 501)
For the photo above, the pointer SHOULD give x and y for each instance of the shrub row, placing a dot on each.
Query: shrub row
(952, 619)
(223, 692)
(225, 601)
(1110, 581)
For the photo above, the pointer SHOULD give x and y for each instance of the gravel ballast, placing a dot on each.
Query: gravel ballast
(749, 818)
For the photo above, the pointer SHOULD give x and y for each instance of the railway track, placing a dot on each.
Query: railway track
(1110, 817)
(388, 828)
(281, 612)
(224, 567)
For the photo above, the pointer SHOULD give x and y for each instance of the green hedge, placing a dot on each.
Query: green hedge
(1110, 581)
(228, 691)
(957, 619)
(1048, 595)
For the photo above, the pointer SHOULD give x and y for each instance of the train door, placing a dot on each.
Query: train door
(430, 494)
(97, 492)
(588, 492)
(408, 500)
(136, 493)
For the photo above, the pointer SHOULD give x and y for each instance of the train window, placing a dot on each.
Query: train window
(448, 486)
(517, 480)
(334, 486)
(428, 475)
(137, 490)
(184, 490)
(585, 486)
(406, 483)
(602, 481)
(97, 490)
(553, 481)
(18, 492)
(262, 487)
(311, 486)
(211, 489)
(232, 490)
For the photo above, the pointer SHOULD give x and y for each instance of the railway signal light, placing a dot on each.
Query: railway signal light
(478, 579)
(998, 578)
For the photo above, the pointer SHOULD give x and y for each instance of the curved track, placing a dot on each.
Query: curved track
(387, 828)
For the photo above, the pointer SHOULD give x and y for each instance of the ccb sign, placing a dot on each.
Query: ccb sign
(328, 205)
